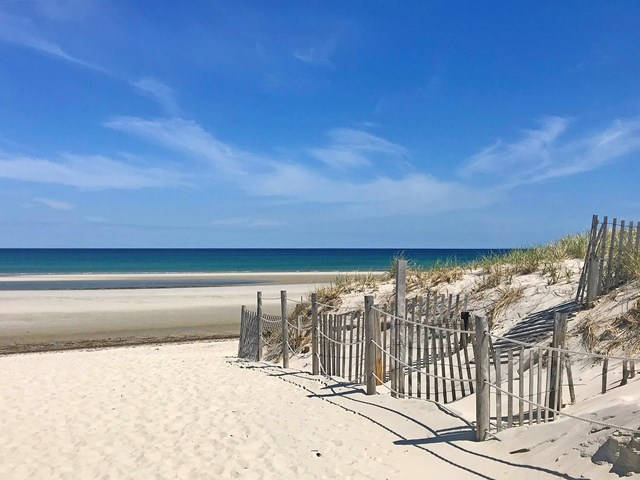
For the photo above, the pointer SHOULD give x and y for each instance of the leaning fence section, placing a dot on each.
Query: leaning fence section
(527, 381)
(613, 248)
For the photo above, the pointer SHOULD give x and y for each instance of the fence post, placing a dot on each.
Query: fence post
(242, 332)
(259, 327)
(555, 384)
(285, 329)
(483, 414)
(370, 349)
(315, 370)
(397, 376)
(593, 276)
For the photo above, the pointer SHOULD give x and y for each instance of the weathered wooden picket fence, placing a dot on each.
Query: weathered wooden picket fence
(431, 347)
(608, 255)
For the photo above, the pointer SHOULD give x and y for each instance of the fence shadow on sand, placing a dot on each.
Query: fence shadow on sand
(350, 396)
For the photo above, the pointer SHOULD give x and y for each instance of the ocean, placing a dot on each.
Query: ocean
(163, 260)
(85, 261)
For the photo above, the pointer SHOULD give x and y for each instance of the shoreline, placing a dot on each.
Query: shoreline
(275, 275)
(109, 343)
(53, 315)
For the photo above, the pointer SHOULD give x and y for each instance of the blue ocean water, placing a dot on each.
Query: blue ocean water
(60, 261)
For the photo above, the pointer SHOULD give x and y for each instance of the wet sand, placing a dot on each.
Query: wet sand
(53, 318)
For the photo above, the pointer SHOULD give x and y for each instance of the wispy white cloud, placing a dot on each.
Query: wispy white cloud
(159, 93)
(21, 31)
(185, 136)
(68, 11)
(54, 204)
(319, 56)
(546, 152)
(92, 172)
(409, 194)
(313, 56)
(246, 222)
(350, 148)
(264, 176)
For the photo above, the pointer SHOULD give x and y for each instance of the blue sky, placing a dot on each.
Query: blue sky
(315, 124)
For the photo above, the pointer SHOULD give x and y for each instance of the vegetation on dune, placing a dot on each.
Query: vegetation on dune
(506, 296)
(494, 274)
(631, 266)
(497, 269)
(619, 334)
(547, 259)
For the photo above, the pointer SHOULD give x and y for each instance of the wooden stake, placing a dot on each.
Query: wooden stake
(483, 413)
(259, 341)
(510, 389)
(401, 312)
(315, 370)
(285, 329)
(498, 365)
(521, 387)
(369, 335)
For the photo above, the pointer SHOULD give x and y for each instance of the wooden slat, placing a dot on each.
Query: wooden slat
(467, 363)
(385, 333)
(418, 319)
(620, 253)
(401, 353)
(362, 350)
(456, 341)
(442, 350)
(608, 282)
(548, 387)
(392, 349)
(590, 248)
(605, 367)
(539, 386)
(553, 367)
(377, 354)
(497, 362)
(449, 352)
(329, 346)
(602, 255)
(561, 356)
(337, 347)
(531, 360)
(510, 388)
(625, 373)
(427, 338)
(412, 315)
(350, 367)
(343, 326)
(521, 387)
(434, 355)
(358, 349)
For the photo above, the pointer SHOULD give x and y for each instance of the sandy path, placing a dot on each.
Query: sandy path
(175, 411)
(192, 411)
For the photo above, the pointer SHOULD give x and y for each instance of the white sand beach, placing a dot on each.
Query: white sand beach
(194, 411)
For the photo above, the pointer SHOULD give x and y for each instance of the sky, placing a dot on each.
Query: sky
(315, 123)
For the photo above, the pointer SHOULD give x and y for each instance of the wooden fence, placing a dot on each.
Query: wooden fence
(610, 251)
(432, 348)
